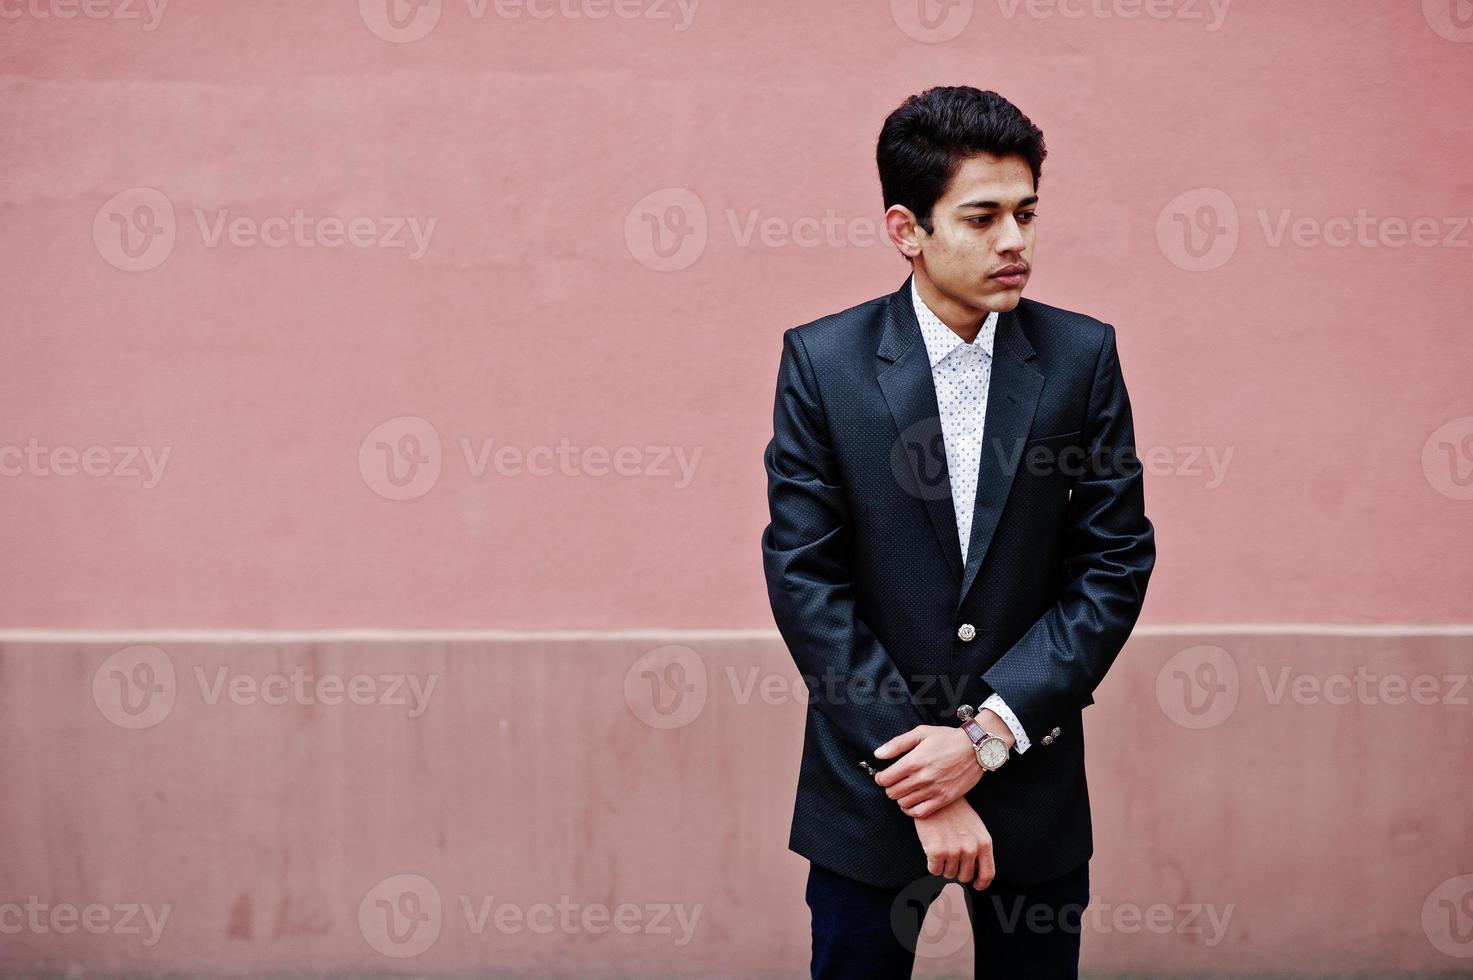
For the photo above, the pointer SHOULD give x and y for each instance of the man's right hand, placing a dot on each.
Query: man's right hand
(957, 845)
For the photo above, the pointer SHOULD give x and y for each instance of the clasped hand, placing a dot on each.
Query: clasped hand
(936, 768)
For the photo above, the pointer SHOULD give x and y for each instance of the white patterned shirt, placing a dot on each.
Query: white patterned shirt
(961, 373)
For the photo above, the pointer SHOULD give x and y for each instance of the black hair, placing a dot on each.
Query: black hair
(924, 141)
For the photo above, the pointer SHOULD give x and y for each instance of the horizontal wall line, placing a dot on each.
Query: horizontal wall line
(653, 635)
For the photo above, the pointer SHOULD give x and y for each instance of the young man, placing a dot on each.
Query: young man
(958, 550)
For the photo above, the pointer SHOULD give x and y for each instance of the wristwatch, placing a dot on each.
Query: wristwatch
(992, 751)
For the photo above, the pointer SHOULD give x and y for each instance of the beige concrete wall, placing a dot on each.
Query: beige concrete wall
(617, 805)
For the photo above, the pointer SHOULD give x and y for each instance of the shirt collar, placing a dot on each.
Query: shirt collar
(940, 339)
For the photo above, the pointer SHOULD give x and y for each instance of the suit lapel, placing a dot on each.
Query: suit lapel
(918, 456)
(1012, 400)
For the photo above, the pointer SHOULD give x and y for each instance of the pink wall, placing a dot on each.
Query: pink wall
(255, 253)
(1260, 829)
(1327, 373)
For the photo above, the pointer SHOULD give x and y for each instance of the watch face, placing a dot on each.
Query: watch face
(994, 753)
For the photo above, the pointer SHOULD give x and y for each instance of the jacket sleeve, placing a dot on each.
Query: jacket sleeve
(1109, 552)
(805, 554)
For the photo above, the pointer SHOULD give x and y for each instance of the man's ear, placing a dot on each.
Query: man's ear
(904, 231)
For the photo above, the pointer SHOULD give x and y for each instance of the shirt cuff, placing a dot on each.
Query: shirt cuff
(995, 703)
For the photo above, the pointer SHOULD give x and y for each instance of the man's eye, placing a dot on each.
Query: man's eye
(979, 222)
(1027, 216)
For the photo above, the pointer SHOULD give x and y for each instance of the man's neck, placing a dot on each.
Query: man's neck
(963, 321)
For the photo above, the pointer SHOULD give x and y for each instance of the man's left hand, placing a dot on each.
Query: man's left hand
(937, 765)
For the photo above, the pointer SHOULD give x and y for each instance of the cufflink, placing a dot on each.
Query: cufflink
(867, 767)
(1049, 738)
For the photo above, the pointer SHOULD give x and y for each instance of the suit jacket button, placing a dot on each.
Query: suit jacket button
(1046, 740)
(1055, 732)
(966, 633)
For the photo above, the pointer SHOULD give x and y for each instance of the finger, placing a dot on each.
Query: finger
(986, 868)
(900, 786)
(968, 869)
(953, 866)
(910, 800)
(911, 786)
(899, 772)
(934, 865)
(928, 807)
(901, 744)
(923, 808)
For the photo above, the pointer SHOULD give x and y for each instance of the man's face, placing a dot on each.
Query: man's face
(981, 226)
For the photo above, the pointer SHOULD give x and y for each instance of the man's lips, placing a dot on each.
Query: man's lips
(1010, 270)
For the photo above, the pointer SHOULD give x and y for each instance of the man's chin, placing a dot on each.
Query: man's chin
(1001, 299)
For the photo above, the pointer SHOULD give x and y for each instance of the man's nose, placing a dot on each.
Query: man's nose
(1011, 239)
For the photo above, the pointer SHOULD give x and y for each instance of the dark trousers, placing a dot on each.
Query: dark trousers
(1032, 931)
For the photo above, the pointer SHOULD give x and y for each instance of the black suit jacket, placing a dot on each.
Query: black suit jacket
(867, 585)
